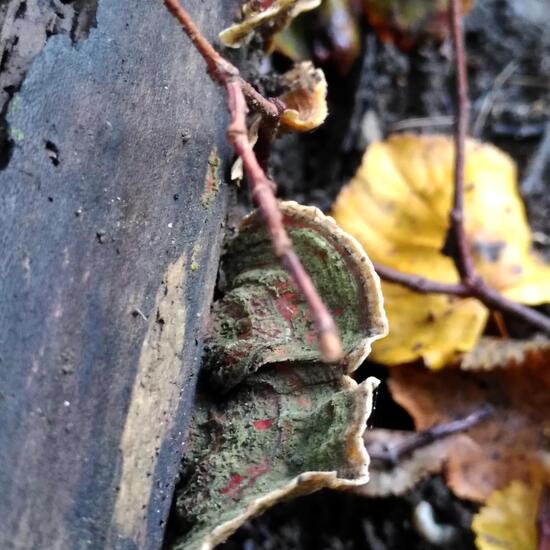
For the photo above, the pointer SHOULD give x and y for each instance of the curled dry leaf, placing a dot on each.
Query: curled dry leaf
(509, 517)
(266, 17)
(419, 464)
(287, 431)
(398, 207)
(305, 98)
(496, 451)
(407, 21)
(262, 318)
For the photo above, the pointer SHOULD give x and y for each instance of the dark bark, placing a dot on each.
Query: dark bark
(110, 226)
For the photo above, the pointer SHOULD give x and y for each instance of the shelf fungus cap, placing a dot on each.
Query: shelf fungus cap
(266, 20)
(305, 98)
(262, 318)
(283, 433)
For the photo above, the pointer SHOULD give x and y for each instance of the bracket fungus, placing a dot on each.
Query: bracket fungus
(272, 421)
(262, 318)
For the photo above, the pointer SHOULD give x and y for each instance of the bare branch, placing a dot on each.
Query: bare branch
(261, 187)
(219, 68)
(543, 519)
(457, 235)
(419, 283)
(495, 300)
(393, 455)
(471, 284)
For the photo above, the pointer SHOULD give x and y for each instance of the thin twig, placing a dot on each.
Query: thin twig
(218, 67)
(267, 133)
(419, 283)
(423, 122)
(493, 299)
(261, 187)
(534, 177)
(477, 289)
(462, 257)
(393, 455)
(488, 100)
(543, 519)
(471, 284)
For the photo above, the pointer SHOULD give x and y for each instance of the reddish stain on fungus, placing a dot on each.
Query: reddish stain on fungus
(254, 472)
(233, 486)
(303, 402)
(287, 307)
(262, 424)
(238, 483)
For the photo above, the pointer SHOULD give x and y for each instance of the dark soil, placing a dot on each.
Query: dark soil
(413, 91)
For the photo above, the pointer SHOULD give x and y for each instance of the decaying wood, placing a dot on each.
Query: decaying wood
(111, 214)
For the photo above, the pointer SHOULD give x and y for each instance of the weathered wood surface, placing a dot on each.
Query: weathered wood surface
(109, 250)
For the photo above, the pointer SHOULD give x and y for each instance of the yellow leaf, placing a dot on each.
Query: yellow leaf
(508, 519)
(398, 206)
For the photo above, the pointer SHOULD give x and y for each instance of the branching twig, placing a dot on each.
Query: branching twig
(393, 455)
(419, 283)
(471, 284)
(462, 257)
(477, 289)
(261, 187)
(543, 519)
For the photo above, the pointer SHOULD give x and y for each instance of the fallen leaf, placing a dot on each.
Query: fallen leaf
(504, 447)
(508, 520)
(266, 17)
(398, 207)
(408, 21)
(287, 431)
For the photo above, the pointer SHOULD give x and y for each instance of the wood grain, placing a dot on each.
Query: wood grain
(107, 267)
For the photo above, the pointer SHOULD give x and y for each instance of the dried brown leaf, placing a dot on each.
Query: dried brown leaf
(496, 451)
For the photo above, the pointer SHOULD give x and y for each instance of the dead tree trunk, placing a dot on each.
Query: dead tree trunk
(111, 213)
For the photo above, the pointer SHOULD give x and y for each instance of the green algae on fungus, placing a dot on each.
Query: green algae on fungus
(262, 319)
(272, 421)
(286, 431)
